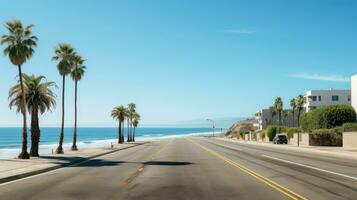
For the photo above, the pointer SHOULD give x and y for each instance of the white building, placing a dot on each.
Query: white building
(318, 98)
(354, 92)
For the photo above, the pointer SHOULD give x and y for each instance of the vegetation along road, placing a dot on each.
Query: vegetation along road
(195, 168)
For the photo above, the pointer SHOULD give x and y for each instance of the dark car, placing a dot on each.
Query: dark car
(280, 139)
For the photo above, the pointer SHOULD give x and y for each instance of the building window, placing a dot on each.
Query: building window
(335, 98)
(349, 98)
(314, 98)
(319, 98)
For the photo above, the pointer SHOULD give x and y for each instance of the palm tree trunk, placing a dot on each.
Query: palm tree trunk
(24, 154)
(74, 146)
(119, 133)
(122, 132)
(131, 130)
(128, 139)
(60, 148)
(134, 134)
(293, 117)
(35, 132)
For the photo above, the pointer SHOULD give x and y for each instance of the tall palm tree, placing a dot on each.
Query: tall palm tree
(285, 114)
(293, 108)
(64, 54)
(39, 99)
(76, 74)
(20, 48)
(278, 105)
(273, 113)
(300, 106)
(119, 113)
(131, 111)
(128, 127)
(136, 120)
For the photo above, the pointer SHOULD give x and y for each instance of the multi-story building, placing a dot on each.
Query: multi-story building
(318, 98)
(264, 118)
(354, 92)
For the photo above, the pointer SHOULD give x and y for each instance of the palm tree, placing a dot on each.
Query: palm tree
(131, 111)
(119, 113)
(76, 74)
(20, 47)
(293, 107)
(273, 113)
(39, 99)
(299, 105)
(136, 119)
(64, 54)
(285, 114)
(278, 105)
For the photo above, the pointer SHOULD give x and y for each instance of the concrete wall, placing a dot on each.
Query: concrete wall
(246, 137)
(349, 140)
(304, 139)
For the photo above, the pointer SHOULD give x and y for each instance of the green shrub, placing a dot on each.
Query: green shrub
(327, 117)
(349, 127)
(326, 137)
(271, 132)
(290, 133)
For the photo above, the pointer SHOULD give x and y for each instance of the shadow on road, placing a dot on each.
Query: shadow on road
(70, 161)
(61, 159)
(98, 163)
(108, 163)
(167, 163)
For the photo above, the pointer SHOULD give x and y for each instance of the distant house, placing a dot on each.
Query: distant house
(318, 98)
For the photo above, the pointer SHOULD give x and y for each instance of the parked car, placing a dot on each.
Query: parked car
(280, 139)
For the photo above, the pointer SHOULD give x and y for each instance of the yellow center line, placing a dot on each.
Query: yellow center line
(261, 178)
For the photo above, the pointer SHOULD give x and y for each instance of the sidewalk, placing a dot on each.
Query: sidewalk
(12, 169)
(325, 150)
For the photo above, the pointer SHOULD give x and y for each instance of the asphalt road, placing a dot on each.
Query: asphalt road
(195, 168)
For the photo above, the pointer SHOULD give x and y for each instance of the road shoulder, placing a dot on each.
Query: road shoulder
(14, 169)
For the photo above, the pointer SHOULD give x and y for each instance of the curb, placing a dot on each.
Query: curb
(73, 163)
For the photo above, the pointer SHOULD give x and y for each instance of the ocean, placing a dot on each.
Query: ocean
(11, 138)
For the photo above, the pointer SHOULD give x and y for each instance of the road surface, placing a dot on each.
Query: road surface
(194, 168)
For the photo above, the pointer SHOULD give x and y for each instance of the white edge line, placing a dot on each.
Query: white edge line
(311, 167)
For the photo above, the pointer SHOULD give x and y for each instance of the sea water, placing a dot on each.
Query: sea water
(11, 138)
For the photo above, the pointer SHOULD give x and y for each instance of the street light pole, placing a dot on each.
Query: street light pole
(212, 125)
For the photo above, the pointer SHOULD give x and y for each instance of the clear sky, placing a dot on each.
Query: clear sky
(181, 60)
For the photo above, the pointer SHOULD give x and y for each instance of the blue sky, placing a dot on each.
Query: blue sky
(182, 60)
